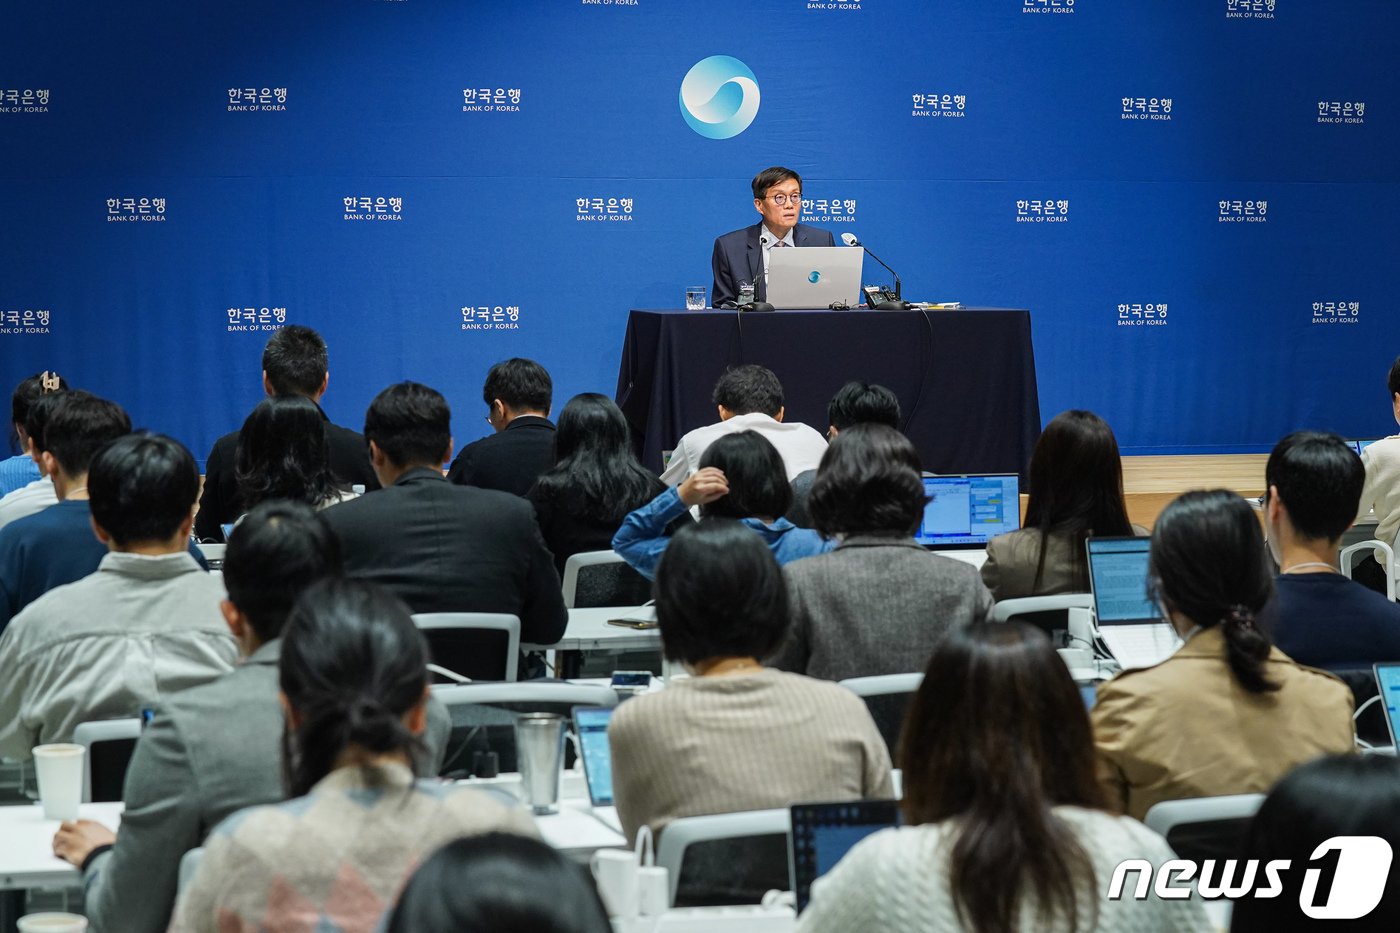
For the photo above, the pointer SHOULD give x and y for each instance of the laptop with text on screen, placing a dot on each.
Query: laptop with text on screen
(1126, 617)
(814, 276)
(591, 727)
(824, 832)
(1388, 686)
(969, 510)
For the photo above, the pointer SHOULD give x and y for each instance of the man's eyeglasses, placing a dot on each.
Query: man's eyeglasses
(782, 199)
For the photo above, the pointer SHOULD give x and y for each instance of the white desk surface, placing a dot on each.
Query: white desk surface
(26, 838)
(588, 629)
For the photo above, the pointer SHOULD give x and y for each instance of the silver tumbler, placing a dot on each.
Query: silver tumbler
(539, 746)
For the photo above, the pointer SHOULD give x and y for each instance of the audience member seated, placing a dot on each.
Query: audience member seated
(145, 625)
(854, 403)
(581, 501)
(1319, 617)
(1076, 491)
(56, 545)
(494, 882)
(734, 735)
(879, 602)
(1228, 713)
(437, 546)
(1004, 825)
(21, 470)
(1345, 795)
(749, 398)
(1381, 492)
(353, 676)
(740, 476)
(282, 454)
(294, 362)
(39, 494)
(518, 395)
(211, 749)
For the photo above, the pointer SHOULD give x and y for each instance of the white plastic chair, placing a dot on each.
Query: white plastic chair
(1348, 556)
(1009, 608)
(88, 734)
(887, 713)
(559, 693)
(476, 621)
(578, 564)
(1173, 814)
(883, 684)
(680, 835)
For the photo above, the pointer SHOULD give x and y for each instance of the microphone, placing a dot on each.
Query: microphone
(763, 240)
(898, 304)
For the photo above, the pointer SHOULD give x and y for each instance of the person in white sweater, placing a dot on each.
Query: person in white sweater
(1005, 827)
(1381, 493)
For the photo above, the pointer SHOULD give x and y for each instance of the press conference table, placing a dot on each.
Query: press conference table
(965, 379)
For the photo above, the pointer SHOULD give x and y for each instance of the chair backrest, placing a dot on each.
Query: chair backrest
(483, 715)
(1049, 613)
(476, 645)
(109, 744)
(1364, 548)
(1370, 722)
(887, 698)
(1204, 827)
(189, 867)
(729, 858)
(602, 578)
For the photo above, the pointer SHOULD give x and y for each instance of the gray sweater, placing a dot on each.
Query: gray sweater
(875, 605)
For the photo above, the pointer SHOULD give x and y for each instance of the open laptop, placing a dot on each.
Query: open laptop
(1388, 683)
(969, 510)
(591, 727)
(1127, 620)
(824, 832)
(814, 276)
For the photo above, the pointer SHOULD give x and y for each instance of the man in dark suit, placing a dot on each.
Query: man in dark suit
(295, 362)
(741, 257)
(440, 547)
(518, 395)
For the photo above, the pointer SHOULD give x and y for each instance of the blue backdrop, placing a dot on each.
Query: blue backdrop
(1198, 201)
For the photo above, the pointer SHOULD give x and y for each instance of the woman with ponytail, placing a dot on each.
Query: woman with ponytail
(1004, 826)
(1228, 713)
(353, 677)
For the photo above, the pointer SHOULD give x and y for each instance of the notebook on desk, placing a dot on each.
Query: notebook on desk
(969, 510)
(1126, 617)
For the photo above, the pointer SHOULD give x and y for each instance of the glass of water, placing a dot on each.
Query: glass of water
(695, 298)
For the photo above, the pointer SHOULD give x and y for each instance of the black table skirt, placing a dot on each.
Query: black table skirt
(965, 379)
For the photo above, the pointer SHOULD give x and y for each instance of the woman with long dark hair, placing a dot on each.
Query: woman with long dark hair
(494, 882)
(1004, 826)
(1076, 490)
(282, 454)
(353, 675)
(1228, 713)
(596, 479)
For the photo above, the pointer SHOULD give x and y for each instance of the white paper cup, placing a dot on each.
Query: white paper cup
(615, 873)
(52, 923)
(60, 772)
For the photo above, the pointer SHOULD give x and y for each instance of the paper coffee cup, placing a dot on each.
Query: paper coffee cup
(59, 769)
(52, 923)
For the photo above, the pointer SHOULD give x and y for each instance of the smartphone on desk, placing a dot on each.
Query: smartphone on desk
(643, 618)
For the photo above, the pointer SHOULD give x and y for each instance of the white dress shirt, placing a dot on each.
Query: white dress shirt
(800, 446)
(27, 500)
(769, 239)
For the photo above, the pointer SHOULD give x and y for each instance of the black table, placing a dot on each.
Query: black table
(965, 379)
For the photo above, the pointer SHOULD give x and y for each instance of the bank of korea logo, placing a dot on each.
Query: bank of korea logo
(719, 97)
(814, 276)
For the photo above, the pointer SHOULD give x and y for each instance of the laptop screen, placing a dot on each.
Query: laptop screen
(1118, 578)
(824, 832)
(591, 726)
(1388, 681)
(968, 511)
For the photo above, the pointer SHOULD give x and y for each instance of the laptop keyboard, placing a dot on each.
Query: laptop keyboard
(1140, 645)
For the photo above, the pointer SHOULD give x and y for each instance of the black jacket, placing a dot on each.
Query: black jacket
(509, 460)
(446, 548)
(218, 504)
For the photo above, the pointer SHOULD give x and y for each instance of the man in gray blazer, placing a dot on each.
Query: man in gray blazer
(216, 748)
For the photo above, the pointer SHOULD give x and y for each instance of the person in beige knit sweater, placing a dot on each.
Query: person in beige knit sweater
(735, 735)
